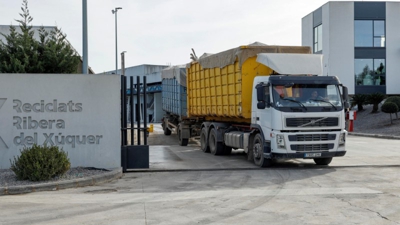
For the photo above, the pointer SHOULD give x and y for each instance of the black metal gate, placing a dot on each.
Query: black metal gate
(134, 155)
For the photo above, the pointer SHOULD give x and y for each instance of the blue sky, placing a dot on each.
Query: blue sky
(163, 32)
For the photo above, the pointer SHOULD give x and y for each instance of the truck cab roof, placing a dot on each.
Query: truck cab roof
(303, 79)
(292, 63)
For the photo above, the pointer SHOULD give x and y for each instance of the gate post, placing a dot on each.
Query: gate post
(144, 110)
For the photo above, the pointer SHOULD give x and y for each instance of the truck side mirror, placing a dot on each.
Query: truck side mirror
(263, 97)
(261, 105)
(346, 97)
(260, 93)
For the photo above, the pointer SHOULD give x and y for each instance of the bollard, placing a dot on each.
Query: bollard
(150, 129)
(352, 117)
(350, 125)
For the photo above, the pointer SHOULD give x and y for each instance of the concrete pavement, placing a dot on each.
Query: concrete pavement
(359, 188)
(111, 175)
(164, 158)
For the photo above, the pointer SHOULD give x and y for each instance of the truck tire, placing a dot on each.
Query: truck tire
(216, 148)
(258, 152)
(165, 128)
(323, 161)
(182, 141)
(167, 131)
(203, 140)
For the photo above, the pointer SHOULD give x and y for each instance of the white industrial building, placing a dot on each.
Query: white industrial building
(360, 42)
(154, 98)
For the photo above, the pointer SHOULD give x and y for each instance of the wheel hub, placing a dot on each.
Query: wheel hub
(257, 150)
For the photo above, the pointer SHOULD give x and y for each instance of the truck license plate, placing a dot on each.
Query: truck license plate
(311, 155)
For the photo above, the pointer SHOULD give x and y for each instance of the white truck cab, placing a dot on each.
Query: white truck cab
(297, 116)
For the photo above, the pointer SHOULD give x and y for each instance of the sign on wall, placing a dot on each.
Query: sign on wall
(79, 113)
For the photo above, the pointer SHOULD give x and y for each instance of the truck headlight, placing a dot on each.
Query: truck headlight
(342, 139)
(280, 141)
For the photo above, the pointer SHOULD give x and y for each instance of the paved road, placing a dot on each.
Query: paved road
(362, 187)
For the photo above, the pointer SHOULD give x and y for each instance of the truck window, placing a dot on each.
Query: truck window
(310, 95)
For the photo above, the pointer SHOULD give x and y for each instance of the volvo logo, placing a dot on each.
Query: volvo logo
(312, 122)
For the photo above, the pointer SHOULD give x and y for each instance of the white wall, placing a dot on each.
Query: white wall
(340, 57)
(307, 31)
(87, 108)
(325, 39)
(392, 48)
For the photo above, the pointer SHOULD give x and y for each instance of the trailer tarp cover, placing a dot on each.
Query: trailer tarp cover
(177, 72)
(242, 53)
(293, 64)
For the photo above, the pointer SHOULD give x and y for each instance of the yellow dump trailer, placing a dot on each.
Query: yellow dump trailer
(220, 85)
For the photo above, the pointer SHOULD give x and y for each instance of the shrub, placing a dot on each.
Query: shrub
(390, 107)
(39, 163)
(375, 99)
(359, 100)
(395, 100)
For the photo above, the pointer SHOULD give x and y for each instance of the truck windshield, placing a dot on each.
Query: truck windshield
(307, 96)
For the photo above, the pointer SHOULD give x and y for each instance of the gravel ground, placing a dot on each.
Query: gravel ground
(376, 123)
(8, 178)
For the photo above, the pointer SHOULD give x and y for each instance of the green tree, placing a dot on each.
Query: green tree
(58, 54)
(22, 53)
(359, 100)
(390, 107)
(395, 100)
(375, 99)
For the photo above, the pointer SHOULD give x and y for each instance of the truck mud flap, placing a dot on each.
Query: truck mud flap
(267, 150)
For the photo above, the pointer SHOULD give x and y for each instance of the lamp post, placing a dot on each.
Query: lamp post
(114, 11)
(84, 38)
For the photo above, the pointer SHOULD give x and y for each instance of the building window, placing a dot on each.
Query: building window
(369, 33)
(370, 71)
(318, 38)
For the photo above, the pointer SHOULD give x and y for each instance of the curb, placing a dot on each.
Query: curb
(113, 174)
(375, 135)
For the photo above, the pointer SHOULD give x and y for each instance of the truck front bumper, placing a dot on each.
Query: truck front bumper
(302, 155)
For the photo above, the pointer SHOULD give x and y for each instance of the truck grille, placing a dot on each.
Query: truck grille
(310, 148)
(312, 137)
(312, 122)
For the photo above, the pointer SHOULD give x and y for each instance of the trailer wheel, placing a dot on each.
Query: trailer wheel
(203, 140)
(167, 131)
(323, 161)
(182, 141)
(258, 150)
(216, 148)
(165, 128)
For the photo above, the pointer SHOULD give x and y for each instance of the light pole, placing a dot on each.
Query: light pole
(114, 11)
(84, 38)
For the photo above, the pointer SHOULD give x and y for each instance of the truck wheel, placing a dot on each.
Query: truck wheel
(258, 150)
(166, 130)
(323, 161)
(216, 148)
(203, 140)
(182, 141)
